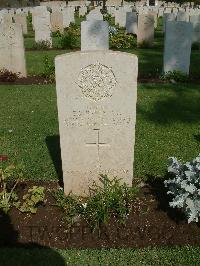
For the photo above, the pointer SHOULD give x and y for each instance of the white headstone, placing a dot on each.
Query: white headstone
(177, 50)
(145, 29)
(43, 28)
(57, 21)
(12, 56)
(94, 35)
(195, 20)
(131, 22)
(95, 14)
(96, 97)
(21, 20)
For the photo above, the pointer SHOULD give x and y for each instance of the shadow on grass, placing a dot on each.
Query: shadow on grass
(159, 191)
(53, 144)
(12, 252)
(182, 106)
(197, 137)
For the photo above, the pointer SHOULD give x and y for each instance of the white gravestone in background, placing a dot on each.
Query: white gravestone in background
(145, 29)
(168, 17)
(82, 11)
(21, 19)
(195, 20)
(182, 16)
(94, 35)
(96, 97)
(177, 49)
(68, 17)
(12, 56)
(131, 22)
(120, 18)
(57, 21)
(95, 14)
(43, 28)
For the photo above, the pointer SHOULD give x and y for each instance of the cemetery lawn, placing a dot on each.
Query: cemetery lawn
(156, 256)
(167, 125)
(150, 61)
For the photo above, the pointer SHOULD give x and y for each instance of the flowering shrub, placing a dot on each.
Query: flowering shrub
(69, 39)
(185, 187)
(121, 40)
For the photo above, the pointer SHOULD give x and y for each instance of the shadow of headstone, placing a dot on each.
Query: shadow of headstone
(53, 144)
(23, 254)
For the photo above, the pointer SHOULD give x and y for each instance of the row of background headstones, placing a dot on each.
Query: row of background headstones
(105, 139)
(95, 36)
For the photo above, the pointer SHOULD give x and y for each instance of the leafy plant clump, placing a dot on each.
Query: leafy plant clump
(8, 196)
(70, 38)
(185, 187)
(109, 19)
(175, 76)
(109, 198)
(41, 45)
(122, 40)
(49, 68)
(8, 76)
(32, 199)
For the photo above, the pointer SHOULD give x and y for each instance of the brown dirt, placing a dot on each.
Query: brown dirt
(31, 80)
(151, 223)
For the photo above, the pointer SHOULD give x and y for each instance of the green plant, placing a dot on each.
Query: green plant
(32, 199)
(109, 19)
(8, 196)
(175, 75)
(109, 198)
(56, 34)
(185, 187)
(41, 45)
(8, 76)
(70, 204)
(69, 39)
(121, 40)
(49, 68)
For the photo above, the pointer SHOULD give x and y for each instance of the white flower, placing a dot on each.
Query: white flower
(84, 205)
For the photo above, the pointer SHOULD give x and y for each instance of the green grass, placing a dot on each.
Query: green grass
(35, 60)
(150, 61)
(179, 256)
(167, 125)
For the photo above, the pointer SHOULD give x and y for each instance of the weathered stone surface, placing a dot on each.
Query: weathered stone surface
(12, 55)
(96, 96)
(145, 29)
(178, 39)
(94, 35)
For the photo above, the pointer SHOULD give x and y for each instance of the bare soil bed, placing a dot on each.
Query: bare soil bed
(151, 223)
